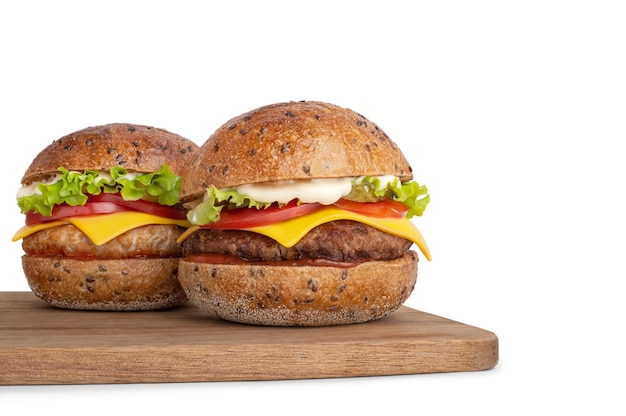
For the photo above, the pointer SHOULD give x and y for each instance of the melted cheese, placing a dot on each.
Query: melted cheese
(102, 228)
(289, 232)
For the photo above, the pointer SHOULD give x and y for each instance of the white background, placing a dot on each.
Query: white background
(512, 113)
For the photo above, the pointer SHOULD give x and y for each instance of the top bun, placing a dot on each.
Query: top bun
(293, 140)
(134, 147)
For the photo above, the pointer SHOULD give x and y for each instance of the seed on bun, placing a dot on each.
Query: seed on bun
(300, 217)
(290, 141)
(103, 214)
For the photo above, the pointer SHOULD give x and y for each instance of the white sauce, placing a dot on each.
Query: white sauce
(324, 191)
(31, 189)
(384, 181)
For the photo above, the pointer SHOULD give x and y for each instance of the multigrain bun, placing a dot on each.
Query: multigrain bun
(113, 285)
(138, 269)
(294, 140)
(242, 276)
(302, 295)
(134, 147)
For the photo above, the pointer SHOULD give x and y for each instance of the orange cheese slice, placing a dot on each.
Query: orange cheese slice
(102, 228)
(289, 232)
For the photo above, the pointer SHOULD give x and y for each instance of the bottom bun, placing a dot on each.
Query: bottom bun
(300, 295)
(112, 285)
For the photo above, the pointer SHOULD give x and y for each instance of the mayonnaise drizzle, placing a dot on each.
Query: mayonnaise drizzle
(324, 191)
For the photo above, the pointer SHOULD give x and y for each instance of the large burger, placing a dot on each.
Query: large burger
(301, 218)
(103, 216)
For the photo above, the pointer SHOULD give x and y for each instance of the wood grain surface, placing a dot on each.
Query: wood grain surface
(40, 344)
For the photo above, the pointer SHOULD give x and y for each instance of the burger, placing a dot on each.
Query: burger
(102, 218)
(300, 216)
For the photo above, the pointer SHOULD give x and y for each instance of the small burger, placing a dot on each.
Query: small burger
(102, 219)
(300, 214)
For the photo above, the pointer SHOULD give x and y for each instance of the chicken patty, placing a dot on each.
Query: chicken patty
(67, 240)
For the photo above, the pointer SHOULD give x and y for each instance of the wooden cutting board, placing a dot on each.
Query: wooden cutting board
(40, 344)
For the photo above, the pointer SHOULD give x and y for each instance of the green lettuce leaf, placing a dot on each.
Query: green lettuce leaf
(73, 188)
(208, 211)
(411, 194)
(365, 189)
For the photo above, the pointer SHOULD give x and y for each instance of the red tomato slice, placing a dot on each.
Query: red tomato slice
(385, 208)
(141, 205)
(105, 204)
(241, 218)
(65, 211)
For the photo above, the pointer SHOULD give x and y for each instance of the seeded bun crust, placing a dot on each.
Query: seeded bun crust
(293, 140)
(113, 285)
(134, 147)
(302, 295)
(130, 278)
